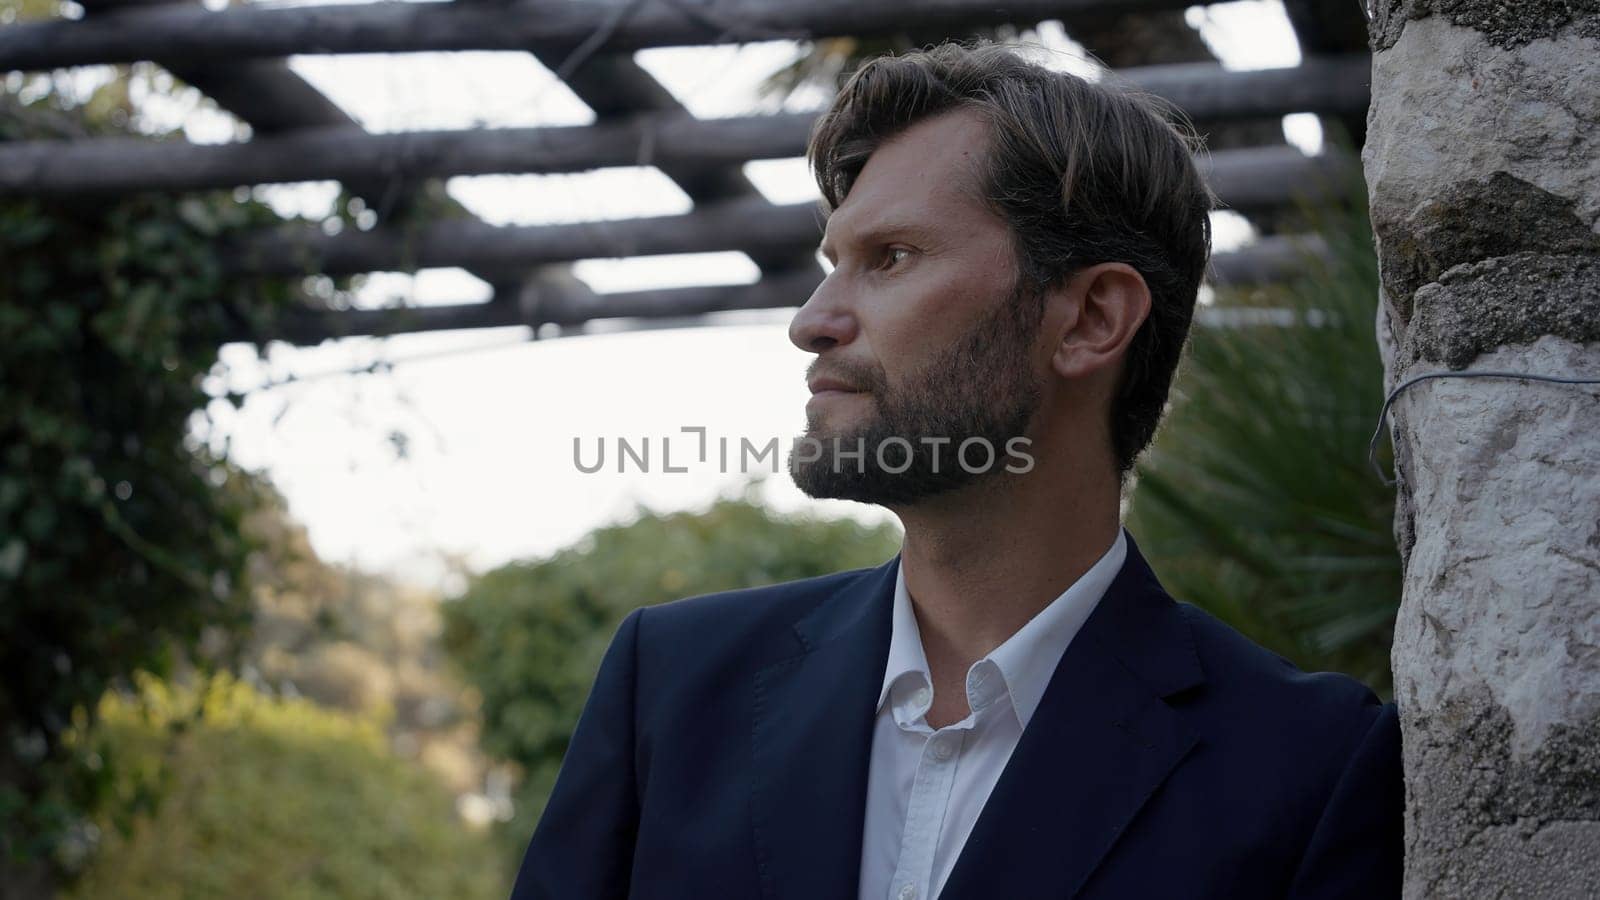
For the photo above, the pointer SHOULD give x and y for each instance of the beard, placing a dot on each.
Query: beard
(982, 388)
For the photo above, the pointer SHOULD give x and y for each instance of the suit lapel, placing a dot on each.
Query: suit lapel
(812, 742)
(1099, 745)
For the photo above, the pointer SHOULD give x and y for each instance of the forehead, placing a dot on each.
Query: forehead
(928, 174)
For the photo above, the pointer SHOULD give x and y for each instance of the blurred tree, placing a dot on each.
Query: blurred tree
(1256, 501)
(530, 635)
(271, 798)
(121, 537)
(357, 642)
(28, 10)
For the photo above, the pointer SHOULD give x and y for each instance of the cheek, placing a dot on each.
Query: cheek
(909, 319)
(906, 340)
(893, 318)
(937, 309)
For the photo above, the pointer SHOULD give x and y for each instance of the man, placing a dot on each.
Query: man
(1013, 707)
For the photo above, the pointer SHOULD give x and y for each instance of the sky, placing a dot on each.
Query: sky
(463, 447)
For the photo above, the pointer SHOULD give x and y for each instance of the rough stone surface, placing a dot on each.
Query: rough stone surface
(1405, 530)
(1497, 644)
(1514, 299)
(1505, 23)
(1502, 584)
(1483, 167)
(1461, 133)
(1479, 219)
(1530, 824)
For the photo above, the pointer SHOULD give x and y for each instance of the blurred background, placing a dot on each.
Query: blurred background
(302, 586)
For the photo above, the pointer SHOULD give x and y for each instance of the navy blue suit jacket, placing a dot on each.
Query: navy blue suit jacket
(723, 754)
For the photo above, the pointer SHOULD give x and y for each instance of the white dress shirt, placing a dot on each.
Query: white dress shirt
(925, 788)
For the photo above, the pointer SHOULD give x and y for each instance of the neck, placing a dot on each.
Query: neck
(982, 561)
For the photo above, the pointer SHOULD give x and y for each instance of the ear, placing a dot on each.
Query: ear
(1104, 306)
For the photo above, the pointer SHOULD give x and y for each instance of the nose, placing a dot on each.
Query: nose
(825, 321)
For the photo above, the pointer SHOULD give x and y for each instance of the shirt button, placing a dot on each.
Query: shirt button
(922, 697)
(943, 749)
(907, 892)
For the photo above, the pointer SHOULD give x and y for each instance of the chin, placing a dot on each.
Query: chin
(830, 424)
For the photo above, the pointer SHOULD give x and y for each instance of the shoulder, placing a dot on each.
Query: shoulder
(738, 625)
(1238, 665)
(1284, 721)
(749, 607)
(1305, 767)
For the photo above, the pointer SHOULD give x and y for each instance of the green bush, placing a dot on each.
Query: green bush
(120, 532)
(271, 798)
(529, 636)
(1257, 501)
(128, 542)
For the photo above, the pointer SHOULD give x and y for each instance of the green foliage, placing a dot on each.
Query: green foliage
(358, 642)
(27, 10)
(268, 798)
(120, 535)
(1257, 502)
(530, 635)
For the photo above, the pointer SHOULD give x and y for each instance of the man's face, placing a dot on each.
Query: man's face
(922, 342)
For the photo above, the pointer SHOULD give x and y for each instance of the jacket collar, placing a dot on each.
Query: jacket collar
(1026, 659)
(1100, 743)
(812, 741)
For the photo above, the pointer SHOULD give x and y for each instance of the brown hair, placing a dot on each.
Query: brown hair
(1083, 172)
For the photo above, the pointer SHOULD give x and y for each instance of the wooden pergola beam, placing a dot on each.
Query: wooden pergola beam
(771, 292)
(1330, 28)
(121, 165)
(1268, 260)
(751, 225)
(615, 86)
(675, 141)
(1337, 84)
(1243, 179)
(273, 100)
(1271, 178)
(182, 34)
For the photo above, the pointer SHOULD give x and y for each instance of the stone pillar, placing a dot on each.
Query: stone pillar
(1483, 167)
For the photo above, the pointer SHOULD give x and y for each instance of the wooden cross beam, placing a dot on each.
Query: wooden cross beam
(1243, 179)
(184, 34)
(1270, 259)
(674, 140)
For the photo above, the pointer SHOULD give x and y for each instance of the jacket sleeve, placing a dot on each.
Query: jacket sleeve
(1358, 846)
(583, 845)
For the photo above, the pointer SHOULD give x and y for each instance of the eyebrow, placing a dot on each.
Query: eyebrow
(879, 231)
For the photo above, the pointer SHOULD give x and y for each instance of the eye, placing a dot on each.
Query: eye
(893, 256)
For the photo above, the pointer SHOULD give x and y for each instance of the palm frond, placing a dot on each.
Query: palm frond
(1257, 497)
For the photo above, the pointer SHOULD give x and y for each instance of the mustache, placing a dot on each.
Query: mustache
(859, 376)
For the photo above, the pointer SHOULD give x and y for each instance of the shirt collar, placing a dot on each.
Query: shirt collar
(905, 641)
(1028, 658)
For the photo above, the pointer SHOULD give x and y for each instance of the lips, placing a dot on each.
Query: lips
(821, 385)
